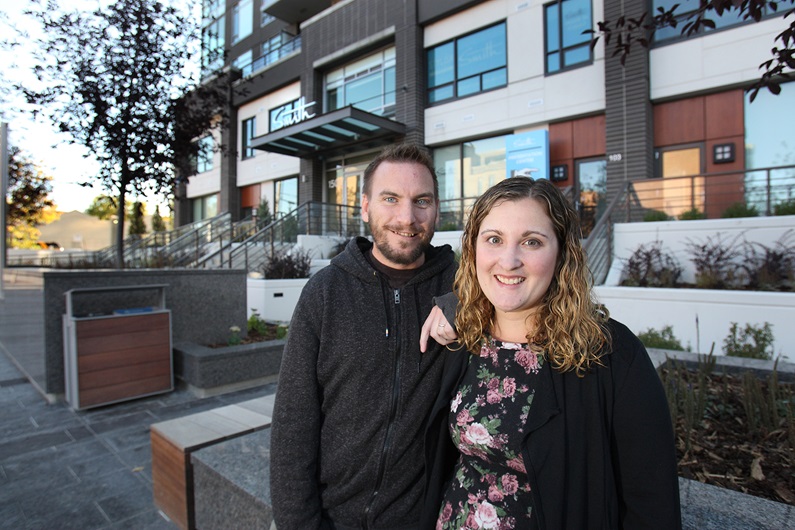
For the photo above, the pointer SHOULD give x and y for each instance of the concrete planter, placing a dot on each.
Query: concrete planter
(211, 371)
(274, 300)
(700, 317)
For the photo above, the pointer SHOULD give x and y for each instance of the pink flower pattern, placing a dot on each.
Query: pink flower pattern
(489, 489)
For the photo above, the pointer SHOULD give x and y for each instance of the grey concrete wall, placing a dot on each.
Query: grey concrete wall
(203, 304)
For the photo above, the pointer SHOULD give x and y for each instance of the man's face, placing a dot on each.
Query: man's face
(401, 209)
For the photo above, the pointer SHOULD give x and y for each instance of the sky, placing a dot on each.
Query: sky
(66, 164)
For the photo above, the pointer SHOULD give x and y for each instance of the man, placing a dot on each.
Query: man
(354, 390)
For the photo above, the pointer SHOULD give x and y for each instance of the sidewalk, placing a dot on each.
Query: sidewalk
(65, 469)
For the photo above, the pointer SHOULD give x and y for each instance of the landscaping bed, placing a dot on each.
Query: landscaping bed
(733, 431)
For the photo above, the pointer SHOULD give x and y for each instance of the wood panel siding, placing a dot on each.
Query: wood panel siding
(250, 196)
(679, 122)
(124, 357)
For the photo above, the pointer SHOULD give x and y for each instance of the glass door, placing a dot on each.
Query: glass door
(591, 192)
(344, 180)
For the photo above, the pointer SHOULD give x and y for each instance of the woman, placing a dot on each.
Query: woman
(557, 419)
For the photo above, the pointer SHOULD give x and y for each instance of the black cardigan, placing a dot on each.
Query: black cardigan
(599, 451)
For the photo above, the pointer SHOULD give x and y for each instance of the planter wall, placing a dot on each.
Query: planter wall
(627, 237)
(274, 300)
(643, 308)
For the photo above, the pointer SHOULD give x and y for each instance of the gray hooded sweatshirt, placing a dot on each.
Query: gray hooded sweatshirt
(353, 397)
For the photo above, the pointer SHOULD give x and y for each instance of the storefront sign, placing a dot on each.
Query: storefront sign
(527, 154)
(291, 114)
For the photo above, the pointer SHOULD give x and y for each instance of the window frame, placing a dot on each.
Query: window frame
(248, 130)
(561, 50)
(237, 11)
(454, 84)
(346, 76)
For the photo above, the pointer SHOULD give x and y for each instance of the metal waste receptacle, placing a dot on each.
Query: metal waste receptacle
(117, 344)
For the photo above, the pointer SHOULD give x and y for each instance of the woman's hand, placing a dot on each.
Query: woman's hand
(438, 328)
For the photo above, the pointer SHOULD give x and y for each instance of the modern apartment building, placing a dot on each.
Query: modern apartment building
(494, 88)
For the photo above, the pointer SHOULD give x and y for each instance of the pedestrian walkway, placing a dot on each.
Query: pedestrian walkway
(62, 469)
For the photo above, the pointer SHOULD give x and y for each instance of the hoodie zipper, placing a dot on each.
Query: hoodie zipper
(392, 414)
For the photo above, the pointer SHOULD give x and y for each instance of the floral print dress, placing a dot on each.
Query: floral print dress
(489, 489)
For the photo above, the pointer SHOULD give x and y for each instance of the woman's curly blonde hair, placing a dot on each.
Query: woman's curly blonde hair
(570, 326)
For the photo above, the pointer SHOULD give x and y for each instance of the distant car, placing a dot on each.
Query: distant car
(50, 245)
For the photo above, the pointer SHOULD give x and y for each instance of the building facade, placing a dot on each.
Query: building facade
(493, 88)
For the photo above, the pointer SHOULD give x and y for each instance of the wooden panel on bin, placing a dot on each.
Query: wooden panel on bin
(122, 358)
(172, 480)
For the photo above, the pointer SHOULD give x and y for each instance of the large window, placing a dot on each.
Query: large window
(592, 192)
(213, 41)
(367, 84)
(465, 171)
(770, 142)
(468, 65)
(686, 9)
(242, 20)
(249, 130)
(566, 44)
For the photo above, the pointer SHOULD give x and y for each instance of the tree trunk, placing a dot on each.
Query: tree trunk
(120, 231)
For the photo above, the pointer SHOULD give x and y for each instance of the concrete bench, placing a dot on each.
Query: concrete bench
(174, 441)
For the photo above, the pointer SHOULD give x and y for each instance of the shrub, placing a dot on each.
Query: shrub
(449, 226)
(770, 268)
(692, 215)
(715, 262)
(649, 266)
(655, 215)
(286, 265)
(785, 208)
(255, 325)
(663, 339)
(752, 342)
(739, 209)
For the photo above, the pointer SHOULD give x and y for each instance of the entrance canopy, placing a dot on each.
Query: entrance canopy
(338, 132)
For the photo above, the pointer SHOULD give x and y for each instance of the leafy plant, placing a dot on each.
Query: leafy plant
(740, 209)
(752, 342)
(785, 208)
(289, 264)
(649, 266)
(449, 226)
(264, 216)
(655, 215)
(663, 339)
(770, 268)
(692, 215)
(255, 324)
(715, 262)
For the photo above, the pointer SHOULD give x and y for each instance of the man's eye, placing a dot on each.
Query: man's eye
(390, 199)
(423, 202)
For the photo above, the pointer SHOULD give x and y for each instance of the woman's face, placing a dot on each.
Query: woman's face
(515, 256)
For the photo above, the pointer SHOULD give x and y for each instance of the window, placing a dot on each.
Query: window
(272, 50)
(468, 65)
(472, 167)
(204, 207)
(242, 20)
(213, 42)
(248, 133)
(212, 9)
(204, 156)
(566, 45)
(686, 9)
(367, 84)
(285, 194)
(770, 142)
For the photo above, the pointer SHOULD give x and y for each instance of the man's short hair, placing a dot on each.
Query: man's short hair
(401, 153)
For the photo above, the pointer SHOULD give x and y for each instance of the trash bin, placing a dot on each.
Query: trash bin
(117, 344)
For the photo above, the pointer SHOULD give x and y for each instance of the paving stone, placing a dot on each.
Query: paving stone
(11, 516)
(150, 520)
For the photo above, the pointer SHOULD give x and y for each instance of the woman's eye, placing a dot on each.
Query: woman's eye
(493, 240)
(532, 242)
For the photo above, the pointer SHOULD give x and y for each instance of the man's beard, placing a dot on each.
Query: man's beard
(405, 255)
